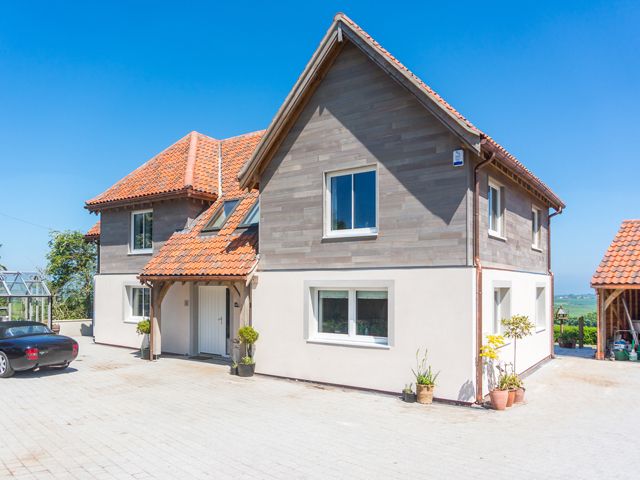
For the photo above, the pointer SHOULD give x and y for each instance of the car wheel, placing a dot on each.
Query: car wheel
(5, 367)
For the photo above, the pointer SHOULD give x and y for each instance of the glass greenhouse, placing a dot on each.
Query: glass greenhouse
(24, 296)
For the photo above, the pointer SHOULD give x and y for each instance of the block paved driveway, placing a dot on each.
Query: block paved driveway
(115, 416)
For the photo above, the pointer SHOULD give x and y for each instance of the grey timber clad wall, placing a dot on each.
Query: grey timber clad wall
(115, 233)
(515, 251)
(360, 116)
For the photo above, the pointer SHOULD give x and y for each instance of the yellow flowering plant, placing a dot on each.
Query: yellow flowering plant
(490, 349)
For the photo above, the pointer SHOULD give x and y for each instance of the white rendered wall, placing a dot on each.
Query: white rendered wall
(432, 308)
(535, 348)
(113, 324)
(112, 311)
(176, 325)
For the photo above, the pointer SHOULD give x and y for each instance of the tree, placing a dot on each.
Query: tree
(71, 265)
(517, 327)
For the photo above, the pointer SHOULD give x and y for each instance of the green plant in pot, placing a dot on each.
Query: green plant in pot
(408, 395)
(233, 369)
(568, 339)
(425, 379)
(517, 328)
(247, 336)
(144, 328)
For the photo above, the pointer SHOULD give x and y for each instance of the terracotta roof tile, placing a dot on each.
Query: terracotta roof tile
(621, 262)
(188, 166)
(94, 232)
(228, 252)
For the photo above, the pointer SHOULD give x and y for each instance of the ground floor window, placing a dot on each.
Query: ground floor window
(541, 308)
(139, 299)
(352, 314)
(501, 307)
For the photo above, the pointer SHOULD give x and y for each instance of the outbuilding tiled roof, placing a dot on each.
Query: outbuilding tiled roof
(230, 252)
(188, 167)
(621, 263)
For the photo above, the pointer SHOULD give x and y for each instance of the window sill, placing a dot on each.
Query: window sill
(349, 236)
(536, 249)
(133, 320)
(540, 330)
(347, 343)
(497, 236)
(141, 252)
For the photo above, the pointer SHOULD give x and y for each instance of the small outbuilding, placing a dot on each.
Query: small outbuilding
(617, 285)
(24, 296)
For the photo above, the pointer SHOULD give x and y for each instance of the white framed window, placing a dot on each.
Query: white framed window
(501, 307)
(358, 315)
(222, 214)
(351, 203)
(541, 308)
(495, 201)
(141, 231)
(535, 228)
(139, 303)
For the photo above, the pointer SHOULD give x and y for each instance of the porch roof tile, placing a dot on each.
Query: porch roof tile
(621, 262)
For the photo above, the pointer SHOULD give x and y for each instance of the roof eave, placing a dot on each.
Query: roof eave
(182, 193)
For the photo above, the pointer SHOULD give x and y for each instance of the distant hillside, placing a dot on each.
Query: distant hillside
(576, 305)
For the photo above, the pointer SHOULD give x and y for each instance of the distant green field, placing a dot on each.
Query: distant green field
(576, 305)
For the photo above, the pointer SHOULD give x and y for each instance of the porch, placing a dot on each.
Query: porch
(197, 317)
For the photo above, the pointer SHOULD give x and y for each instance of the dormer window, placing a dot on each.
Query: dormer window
(253, 217)
(141, 231)
(220, 217)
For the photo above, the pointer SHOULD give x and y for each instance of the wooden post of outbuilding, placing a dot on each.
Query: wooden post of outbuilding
(600, 322)
(580, 332)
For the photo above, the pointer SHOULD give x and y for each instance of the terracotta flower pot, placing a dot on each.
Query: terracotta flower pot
(499, 399)
(511, 397)
(520, 395)
(424, 394)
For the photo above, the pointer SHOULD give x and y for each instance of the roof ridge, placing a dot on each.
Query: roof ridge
(191, 159)
(248, 134)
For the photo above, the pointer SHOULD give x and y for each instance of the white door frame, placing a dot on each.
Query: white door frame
(212, 320)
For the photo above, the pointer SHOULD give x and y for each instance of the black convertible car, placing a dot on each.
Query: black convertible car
(30, 345)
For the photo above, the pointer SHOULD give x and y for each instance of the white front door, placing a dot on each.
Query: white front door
(212, 320)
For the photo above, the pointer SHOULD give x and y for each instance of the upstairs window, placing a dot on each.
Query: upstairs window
(141, 231)
(253, 216)
(535, 228)
(351, 203)
(495, 199)
(220, 217)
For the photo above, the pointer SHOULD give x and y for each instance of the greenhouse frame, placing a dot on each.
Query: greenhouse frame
(24, 296)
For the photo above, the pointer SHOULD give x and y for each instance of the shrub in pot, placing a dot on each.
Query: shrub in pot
(233, 369)
(408, 395)
(248, 336)
(425, 379)
(568, 339)
(516, 328)
(144, 328)
(246, 367)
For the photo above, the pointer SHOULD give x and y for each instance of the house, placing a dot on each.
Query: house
(387, 223)
(617, 285)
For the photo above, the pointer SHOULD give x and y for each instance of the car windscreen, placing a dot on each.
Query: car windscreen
(22, 330)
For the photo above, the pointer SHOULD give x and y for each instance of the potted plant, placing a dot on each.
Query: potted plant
(233, 368)
(248, 336)
(499, 394)
(516, 328)
(425, 379)
(408, 395)
(568, 339)
(144, 328)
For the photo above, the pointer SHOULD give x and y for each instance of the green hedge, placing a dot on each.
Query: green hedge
(590, 335)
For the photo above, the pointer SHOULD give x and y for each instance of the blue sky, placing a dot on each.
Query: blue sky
(88, 91)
